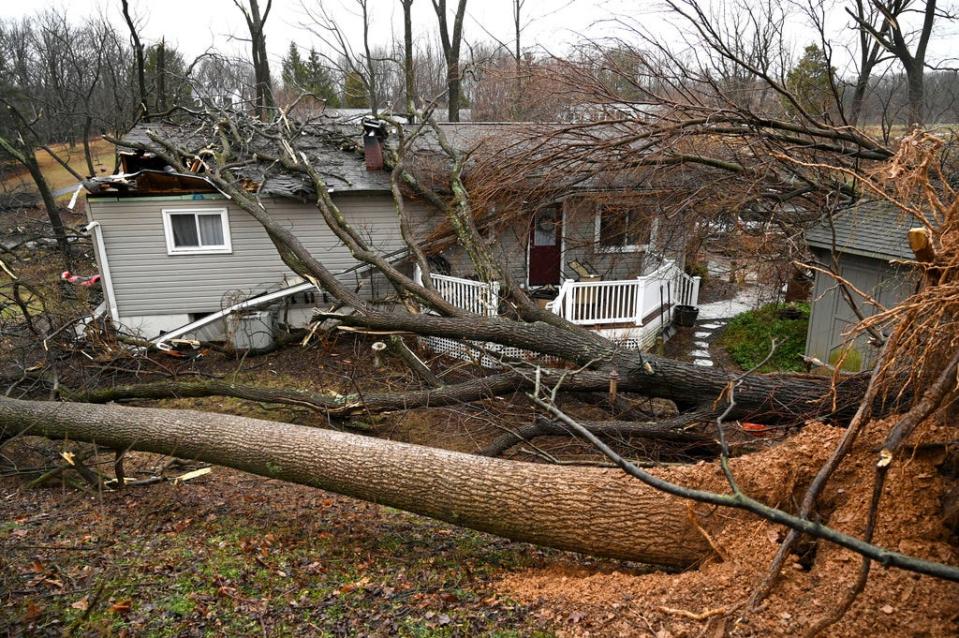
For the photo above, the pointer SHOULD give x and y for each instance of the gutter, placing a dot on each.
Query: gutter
(97, 230)
(160, 342)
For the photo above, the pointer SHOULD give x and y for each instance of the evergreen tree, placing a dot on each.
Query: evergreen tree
(293, 69)
(309, 75)
(165, 71)
(320, 80)
(355, 95)
(810, 82)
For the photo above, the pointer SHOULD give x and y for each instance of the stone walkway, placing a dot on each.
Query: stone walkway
(713, 316)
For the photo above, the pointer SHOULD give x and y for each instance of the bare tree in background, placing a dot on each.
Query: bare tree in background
(362, 69)
(139, 56)
(452, 41)
(255, 22)
(908, 47)
(408, 67)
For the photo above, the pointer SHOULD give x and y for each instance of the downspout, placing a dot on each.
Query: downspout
(101, 249)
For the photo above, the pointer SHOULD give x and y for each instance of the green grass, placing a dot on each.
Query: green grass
(748, 337)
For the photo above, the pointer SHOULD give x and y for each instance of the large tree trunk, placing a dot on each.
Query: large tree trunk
(50, 204)
(591, 510)
(765, 398)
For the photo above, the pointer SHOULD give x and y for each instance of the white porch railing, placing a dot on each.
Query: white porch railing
(473, 296)
(635, 301)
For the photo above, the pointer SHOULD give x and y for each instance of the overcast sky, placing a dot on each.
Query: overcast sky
(195, 25)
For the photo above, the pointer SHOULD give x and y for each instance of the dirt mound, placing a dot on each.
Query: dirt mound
(696, 603)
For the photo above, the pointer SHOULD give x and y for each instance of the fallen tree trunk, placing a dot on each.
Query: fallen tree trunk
(591, 510)
(764, 398)
(342, 405)
(663, 432)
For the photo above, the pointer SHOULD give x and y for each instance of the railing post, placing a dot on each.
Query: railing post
(494, 299)
(568, 310)
(417, 275)
(694, 296)
(640, 300)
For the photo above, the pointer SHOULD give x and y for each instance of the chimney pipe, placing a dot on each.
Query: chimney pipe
(374, 134)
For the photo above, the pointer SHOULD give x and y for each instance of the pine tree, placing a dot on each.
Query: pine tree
(810, 82)
(320, 80)
(293, 68)
(355, 94)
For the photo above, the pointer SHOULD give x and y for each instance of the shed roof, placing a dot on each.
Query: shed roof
(870, 229)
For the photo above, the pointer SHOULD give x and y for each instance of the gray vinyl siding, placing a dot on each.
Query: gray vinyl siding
(148, 281)
(579, 243)
(831, 314)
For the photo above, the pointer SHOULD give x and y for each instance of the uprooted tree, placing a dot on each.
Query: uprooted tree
(807, 164)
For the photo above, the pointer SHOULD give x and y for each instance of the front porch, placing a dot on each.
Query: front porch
(633, 312)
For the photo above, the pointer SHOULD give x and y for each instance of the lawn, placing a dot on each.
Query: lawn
(748, 336)
(58, 177)
(234, 555)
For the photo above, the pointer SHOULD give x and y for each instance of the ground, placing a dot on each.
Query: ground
(61, 182)
(709, 601)
(230, 554)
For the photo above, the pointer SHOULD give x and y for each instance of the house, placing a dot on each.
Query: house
(176, 255)
(172, 249)
(868, 243)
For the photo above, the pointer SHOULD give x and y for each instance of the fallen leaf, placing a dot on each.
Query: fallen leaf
(443, 619)
(887, 609)
(121, 607)
(83, 604)
(33, 612)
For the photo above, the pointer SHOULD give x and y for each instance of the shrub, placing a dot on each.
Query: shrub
(748, 336)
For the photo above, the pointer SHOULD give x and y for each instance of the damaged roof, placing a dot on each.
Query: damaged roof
(330, 147)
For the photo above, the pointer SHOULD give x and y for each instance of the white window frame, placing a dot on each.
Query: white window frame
(625, 248)
(173, 249)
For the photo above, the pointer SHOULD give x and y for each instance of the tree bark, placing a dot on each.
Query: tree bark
(50, 204)
(591, 510)
(408, 60)
(765, 398)
(451, 43)
(351, 404)
(143, 111)
(690, 443)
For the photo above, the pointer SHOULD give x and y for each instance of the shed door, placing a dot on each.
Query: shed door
(545, 250)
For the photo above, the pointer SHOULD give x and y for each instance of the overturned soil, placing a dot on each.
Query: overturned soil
(710, 600)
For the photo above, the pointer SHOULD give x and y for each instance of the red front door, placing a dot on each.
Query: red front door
(545, 250)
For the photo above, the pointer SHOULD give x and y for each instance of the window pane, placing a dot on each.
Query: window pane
(211, 230)
(612, 228)
(545, 227)
(184, 231)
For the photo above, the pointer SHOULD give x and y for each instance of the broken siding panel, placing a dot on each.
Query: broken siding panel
(148, 281)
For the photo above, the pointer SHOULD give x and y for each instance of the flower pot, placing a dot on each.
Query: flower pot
(685, 316)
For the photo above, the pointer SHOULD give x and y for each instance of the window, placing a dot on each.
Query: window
(545, 224)
(620, 230)
(197, 231)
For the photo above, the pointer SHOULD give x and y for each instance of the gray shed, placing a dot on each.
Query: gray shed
(868, 242)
